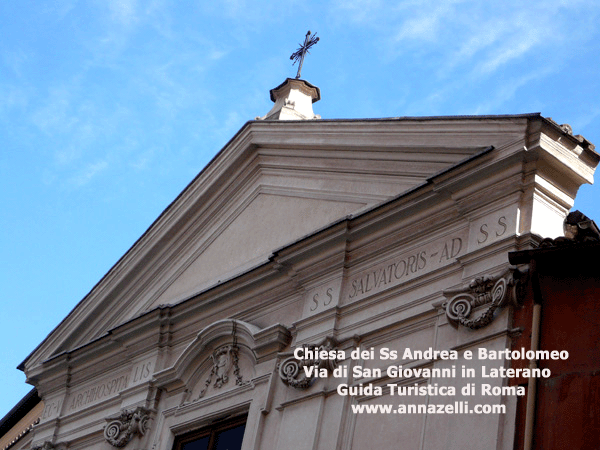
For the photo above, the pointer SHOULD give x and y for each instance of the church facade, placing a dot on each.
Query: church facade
(321, 284)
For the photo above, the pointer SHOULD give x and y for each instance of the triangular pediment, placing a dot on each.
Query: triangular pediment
(272, 184)
(267, 222)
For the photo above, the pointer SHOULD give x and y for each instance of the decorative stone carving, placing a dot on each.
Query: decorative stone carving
(292, 373)
(47, 445)
(291, 369)
(119, 431)
(495, 292)
(224, 359)
(577, 228)
(567, 128)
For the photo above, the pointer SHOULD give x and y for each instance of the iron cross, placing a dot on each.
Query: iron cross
(298, 55)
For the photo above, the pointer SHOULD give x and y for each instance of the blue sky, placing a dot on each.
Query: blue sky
(109, 108)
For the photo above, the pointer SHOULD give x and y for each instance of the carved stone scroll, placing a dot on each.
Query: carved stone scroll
(121, 430)
(495, 292)
(291, 369)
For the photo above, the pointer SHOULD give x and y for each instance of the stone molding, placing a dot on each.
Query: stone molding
(120, 430)
(47, 445)
(139, 272)
(217, 354)
(291, 370)
(491, 292)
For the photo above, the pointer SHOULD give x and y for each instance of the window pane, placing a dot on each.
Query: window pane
(199, 444)
(230, 439)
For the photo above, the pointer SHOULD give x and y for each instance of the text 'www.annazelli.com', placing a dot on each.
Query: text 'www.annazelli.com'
(460, 407)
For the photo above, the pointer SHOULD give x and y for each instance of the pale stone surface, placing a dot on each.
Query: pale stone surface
(493, 227)
(388, 430)
(352, 233)
(323, 297)
(293, 101)
(266, 224)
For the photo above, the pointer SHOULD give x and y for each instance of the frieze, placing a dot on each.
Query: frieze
(323, 297)
(484, 291)
(120, 430)
(407, 266)
(51, 409)
(291, 369)
(109, 387)
(104, 389)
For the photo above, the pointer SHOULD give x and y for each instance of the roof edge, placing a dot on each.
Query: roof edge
(20, 410)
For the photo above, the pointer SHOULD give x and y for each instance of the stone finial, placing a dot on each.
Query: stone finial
(293, 101)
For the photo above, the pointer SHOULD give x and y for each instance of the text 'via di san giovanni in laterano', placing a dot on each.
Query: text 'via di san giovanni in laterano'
(420, 365)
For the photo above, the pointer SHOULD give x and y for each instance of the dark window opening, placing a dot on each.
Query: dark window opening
(220, 436)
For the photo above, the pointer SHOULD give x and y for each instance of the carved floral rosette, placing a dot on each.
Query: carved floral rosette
(291, 369)
(495, 292)
(121, 430)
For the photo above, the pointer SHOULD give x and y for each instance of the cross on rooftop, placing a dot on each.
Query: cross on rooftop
(298, 55)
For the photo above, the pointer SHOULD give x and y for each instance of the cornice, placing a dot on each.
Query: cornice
(241, 152)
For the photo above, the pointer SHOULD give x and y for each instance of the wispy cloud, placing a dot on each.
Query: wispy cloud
(11, 97)
(14, 59)
(483, 36)
(508, 90)
(468, 43)
(58, 10)
(123, 11)
(358, 11)
(425, 26)
(55, 116)
(88, 173)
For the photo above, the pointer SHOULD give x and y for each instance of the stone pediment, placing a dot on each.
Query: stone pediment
(267, 222)
(272, 184)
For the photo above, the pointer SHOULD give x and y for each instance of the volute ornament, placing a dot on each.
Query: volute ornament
(291, 369)
(495, 292)
(121, 430)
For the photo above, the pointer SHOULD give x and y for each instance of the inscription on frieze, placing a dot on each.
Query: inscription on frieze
(323, 297)
(141, 372)
(492, 228)
(51, 409)
(485, 230)
(110, 386)
(407, 266)
(104, 389)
